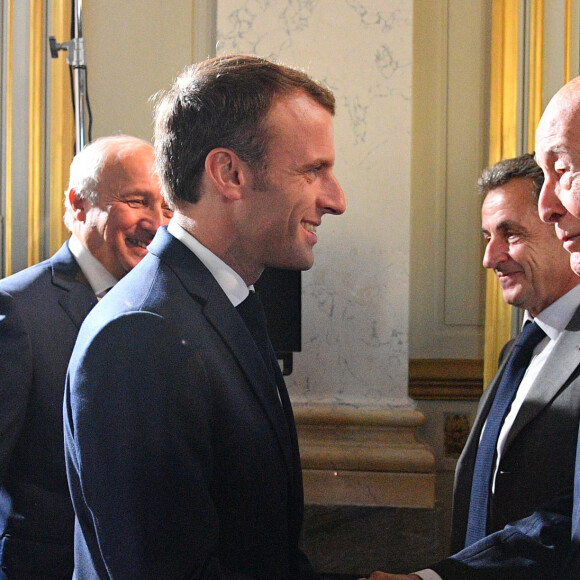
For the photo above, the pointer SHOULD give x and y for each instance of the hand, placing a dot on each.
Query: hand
(385, 576)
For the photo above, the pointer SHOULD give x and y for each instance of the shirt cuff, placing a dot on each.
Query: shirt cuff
(428, 574)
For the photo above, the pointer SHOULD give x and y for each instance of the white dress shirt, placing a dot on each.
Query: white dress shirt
(553, 321)
(96, 274)
(229, 280)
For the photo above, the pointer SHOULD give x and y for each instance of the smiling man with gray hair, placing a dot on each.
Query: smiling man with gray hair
(113, 209)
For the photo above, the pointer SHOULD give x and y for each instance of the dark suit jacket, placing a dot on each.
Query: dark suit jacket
(182, 462)
(537, 467)
(41, 310)
(545, 545)
(538, 547)
(572, 563)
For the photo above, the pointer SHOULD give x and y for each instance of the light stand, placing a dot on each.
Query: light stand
(76, 59)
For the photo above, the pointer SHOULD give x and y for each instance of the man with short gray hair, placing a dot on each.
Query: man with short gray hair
(113, 209)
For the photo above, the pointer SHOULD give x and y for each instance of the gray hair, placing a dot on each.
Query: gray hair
(87, 168)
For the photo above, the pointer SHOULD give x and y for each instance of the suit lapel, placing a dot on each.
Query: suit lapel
(220, 313)
(78, 299)
(561, 363)
(233, 331)
(576, 507)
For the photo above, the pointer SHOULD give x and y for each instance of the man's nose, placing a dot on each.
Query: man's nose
(495, 253)
(550, 207)
(333, 200)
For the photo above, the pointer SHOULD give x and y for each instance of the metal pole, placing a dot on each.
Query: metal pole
(77, 62)
(76, 59)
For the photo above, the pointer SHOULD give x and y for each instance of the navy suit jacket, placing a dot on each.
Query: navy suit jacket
(530, 516)
(543, 546)
(41, 310)
(182, 461)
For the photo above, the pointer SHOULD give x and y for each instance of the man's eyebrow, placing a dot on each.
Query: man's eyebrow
(320, 162)
(556, 149)
(505, 225)
(509, 225)
(551, 151)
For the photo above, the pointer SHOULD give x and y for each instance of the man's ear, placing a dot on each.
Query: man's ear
(78, 205)
(227, 172)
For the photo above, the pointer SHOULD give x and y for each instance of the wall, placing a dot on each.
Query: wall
(355, 298)
(133, 49)
(410, 142)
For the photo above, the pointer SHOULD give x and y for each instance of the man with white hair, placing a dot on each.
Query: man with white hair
(113, 209)
(545, 544)
(558, 154)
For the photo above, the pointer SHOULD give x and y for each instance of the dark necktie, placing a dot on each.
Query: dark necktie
(514, 371)
(254, 317)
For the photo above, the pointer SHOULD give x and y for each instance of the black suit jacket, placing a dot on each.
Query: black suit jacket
(536, 469)
(182, 461)
(41, 310)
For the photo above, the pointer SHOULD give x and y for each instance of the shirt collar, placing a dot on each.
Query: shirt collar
(554, 319)
(228, 279)
(97, 275)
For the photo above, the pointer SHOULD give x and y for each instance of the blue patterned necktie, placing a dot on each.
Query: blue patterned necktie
(514, 371)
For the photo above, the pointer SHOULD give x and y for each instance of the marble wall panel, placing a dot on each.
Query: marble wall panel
(356, 297)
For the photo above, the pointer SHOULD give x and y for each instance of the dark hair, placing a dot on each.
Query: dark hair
(222, 102)
(499, 174)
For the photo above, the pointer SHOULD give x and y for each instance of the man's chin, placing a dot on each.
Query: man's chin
(575, 262)
(303, 261)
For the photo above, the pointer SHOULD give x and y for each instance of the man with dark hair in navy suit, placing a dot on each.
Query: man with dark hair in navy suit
(113, 209)
(181, 447)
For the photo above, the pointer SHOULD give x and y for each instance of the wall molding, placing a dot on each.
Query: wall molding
(503, 143)
(367, 457)
(7, 120)
(451, 40)
(36, 130)
(446, 379)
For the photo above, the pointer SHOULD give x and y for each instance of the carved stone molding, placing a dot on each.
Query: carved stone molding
(446, 379)
(365, 457)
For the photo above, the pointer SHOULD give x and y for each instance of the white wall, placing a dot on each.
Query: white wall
(355, 298)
